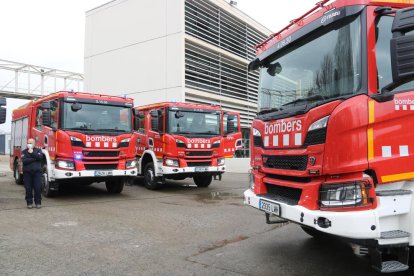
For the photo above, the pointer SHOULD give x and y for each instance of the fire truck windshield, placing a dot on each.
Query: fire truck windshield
(193, 123)
(96, 118)
(319, 68)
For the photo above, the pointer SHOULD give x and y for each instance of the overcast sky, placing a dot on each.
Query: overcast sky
(50, 33)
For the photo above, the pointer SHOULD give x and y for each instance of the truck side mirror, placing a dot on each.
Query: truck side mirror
(3, 113)
(402, 49)
(154, 120)
(3, 101)
(3, 110)
(76, 107)
(46, 105)
(46, 117)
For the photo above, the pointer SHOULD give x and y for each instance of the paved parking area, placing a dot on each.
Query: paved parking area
(177, 230)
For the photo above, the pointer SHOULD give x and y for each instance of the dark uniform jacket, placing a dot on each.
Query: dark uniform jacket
(32, 162)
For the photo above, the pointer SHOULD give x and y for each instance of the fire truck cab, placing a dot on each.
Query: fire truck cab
(180, 140)
(85, 138)
(333, 144)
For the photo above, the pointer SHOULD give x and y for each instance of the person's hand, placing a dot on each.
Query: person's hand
(30, 150)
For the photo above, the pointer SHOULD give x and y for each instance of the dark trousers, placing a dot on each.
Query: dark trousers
(33, 181)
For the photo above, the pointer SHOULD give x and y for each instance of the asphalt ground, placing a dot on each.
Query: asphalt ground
(177, 230)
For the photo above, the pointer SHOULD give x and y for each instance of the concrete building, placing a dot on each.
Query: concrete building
(174, 50)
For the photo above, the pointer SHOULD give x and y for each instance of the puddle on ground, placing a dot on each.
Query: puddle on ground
(212, 197)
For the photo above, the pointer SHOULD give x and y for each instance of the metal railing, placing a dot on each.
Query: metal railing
(26, 81)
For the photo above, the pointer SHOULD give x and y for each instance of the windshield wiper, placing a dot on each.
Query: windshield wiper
(308, 99)
(110, 129)
(269, 110)
(79, 128)
(181, 132)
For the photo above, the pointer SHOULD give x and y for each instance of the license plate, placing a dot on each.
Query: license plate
(201, 169)
(103, 173)
(269, 207)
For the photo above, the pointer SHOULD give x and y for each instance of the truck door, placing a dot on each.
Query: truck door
(142, 130)
(156, 130)
(232, 133)
(37, 132)
(49, 138)
(391, 122)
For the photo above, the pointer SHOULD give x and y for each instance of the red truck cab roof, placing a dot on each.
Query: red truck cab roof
(21, 111)
(179, 105)
(321, 8)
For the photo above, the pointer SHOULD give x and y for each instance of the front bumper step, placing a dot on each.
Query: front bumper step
(392, 266)
(401, 252)
(395, 234)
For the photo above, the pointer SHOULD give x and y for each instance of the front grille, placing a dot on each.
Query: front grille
(286, 162)
(315, 137)
(290, 196)
(101, 166)
(100, 153)
(290, 178)
(199, 153)
(199, 164)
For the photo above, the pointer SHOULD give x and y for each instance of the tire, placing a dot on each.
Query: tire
(203, 181)
(115, 186)
(46, 186)
(18, 177)
(313, 232)
(150, 181)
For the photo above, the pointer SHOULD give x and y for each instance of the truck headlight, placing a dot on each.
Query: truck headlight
(75, 141)
(124, 143)
(251, 181)
(64, 164)
(215, 144)
(221, 161)
(353, 194)
(171, 162)
(180, 143)
(131, 164)
(321, 123)
(257, 138)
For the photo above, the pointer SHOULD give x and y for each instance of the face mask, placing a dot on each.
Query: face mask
(29, 146)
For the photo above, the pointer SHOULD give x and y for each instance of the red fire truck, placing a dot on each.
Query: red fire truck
(85, 138)
(333, 144)
(180, 140)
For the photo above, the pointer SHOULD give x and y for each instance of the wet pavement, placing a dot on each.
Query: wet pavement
(177, 230)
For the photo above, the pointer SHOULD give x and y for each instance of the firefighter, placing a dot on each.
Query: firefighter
(32, 174)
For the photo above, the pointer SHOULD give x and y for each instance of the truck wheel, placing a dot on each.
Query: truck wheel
(115, 186)
(46, 186)
(203, 181)
(313, 232)
(18, 177)
(151, 182)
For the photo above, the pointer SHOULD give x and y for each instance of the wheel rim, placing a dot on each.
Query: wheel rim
(149, 176)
